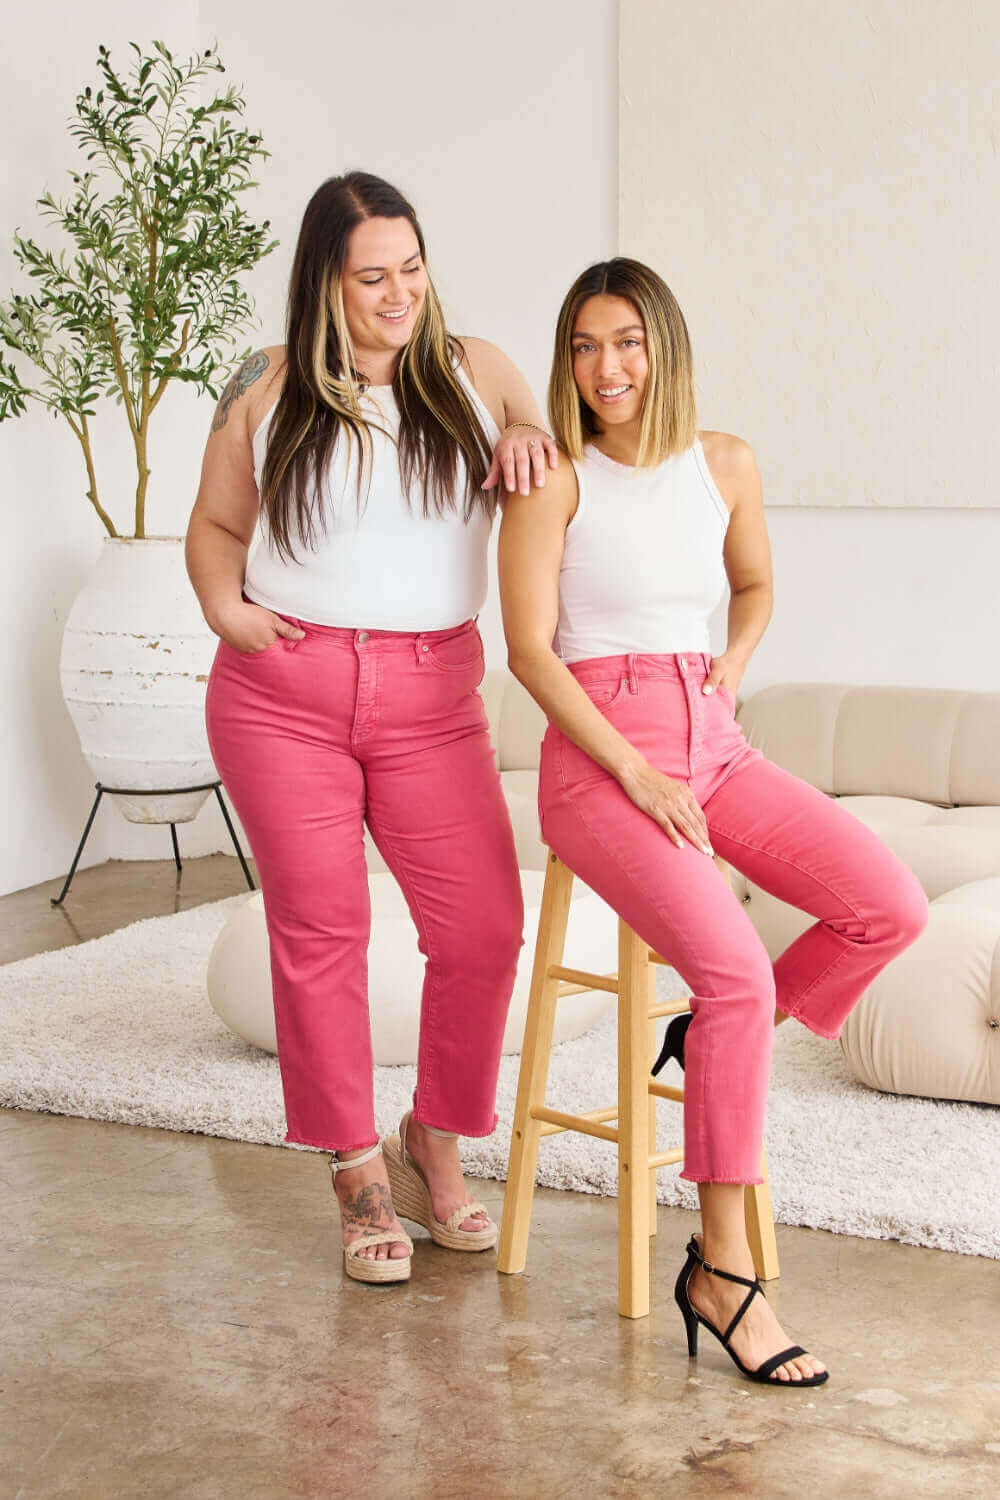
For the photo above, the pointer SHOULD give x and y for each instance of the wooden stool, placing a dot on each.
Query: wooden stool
(635, 1133)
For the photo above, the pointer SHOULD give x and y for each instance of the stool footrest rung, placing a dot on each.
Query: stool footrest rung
(664, 1159)
(587, 981)
(669, 1008)
(563, 988)
(666, 1091)
(555, 1120)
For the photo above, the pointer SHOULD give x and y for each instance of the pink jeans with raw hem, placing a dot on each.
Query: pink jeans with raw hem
(784, 835)
(312, 739)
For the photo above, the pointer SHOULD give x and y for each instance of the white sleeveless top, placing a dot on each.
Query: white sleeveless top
(388, 567)
(642, 562)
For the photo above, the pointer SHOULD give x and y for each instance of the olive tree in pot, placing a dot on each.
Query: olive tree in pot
(147, 293)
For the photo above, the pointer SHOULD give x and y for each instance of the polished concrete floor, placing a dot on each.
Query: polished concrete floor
(178, 1325)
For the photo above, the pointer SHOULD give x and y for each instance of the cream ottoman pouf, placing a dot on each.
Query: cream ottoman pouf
(239, 974)
(930, 1023)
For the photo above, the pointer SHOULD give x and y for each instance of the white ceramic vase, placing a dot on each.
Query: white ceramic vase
(136, 654)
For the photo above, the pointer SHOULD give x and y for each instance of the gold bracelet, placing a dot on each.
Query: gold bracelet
(526, 424)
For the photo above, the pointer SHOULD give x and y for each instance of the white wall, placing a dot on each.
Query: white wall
(886, 596)
(500, 124)
(51, 535)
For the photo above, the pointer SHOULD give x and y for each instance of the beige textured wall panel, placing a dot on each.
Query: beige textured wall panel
(818, 184)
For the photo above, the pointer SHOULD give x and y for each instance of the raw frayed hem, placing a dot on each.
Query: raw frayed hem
(297, 1140)
(741, 1181)
(472, 1135)
(794, 1015)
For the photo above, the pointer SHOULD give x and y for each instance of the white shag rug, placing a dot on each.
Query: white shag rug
(121, 1029)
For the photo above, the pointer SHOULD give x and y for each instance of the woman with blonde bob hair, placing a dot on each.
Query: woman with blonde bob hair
(344, 692)
(608, 579)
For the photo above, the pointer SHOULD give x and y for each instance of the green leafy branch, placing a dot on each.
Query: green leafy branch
(150, 289)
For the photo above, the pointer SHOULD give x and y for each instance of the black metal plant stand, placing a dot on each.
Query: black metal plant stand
(159, 791)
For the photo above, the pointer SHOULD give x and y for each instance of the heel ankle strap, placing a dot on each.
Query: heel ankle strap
(449, 1135)
(695, 1253)
(755, 1287)
(355, 1161)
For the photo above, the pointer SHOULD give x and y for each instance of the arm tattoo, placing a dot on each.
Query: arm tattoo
(250, 370)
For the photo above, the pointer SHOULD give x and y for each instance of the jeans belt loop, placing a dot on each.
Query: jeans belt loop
(633, 675)
(419, 649)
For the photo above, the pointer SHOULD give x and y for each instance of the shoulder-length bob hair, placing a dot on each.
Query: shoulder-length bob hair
(320, 402)
(669, 421)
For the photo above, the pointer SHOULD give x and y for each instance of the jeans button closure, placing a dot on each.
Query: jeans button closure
(362, 637)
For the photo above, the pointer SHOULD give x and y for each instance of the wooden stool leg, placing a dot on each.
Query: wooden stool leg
(757, 1212)
(760, 1227)
(633, 1125)
(533, 1076)
(651, 1000)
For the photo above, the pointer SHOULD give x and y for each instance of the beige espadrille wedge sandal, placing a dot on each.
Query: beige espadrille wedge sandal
(363, 1267)
(412, 1200)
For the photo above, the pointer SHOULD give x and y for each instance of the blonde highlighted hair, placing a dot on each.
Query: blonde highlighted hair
(669, 420)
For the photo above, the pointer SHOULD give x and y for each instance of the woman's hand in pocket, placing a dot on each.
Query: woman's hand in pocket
(726, 673)
(669, 803)
(250, 628)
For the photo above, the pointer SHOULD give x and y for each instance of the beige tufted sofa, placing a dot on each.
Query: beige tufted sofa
(922, 768)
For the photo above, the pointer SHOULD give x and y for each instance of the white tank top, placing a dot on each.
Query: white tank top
(642, 562)
(388, 567)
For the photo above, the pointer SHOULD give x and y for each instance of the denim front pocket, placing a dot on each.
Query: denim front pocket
(456, 653)
(603, 694)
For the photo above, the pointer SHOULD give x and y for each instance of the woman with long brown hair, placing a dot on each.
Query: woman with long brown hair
(344, 693)
(607, 583)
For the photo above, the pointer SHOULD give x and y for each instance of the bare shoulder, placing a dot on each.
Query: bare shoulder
(554, 503)
(251, 390)
(732, 465)
(480, 354)
(486, 365)
(490, 371)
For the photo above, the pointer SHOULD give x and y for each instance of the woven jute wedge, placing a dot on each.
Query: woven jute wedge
(365, 1268)
(412, 1200)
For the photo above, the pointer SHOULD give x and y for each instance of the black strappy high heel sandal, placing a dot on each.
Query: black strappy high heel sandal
(673, 1043)
(764, 1373)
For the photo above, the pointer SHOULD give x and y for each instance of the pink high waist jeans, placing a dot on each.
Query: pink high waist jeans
(781, 833)
(313, 738)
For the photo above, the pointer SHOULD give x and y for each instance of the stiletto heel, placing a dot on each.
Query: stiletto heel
(691, 1327)
(764, 1373)
(673, 1043)
(687, 1311)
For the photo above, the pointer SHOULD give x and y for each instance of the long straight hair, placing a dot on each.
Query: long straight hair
(320, 402)
(669, 420)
